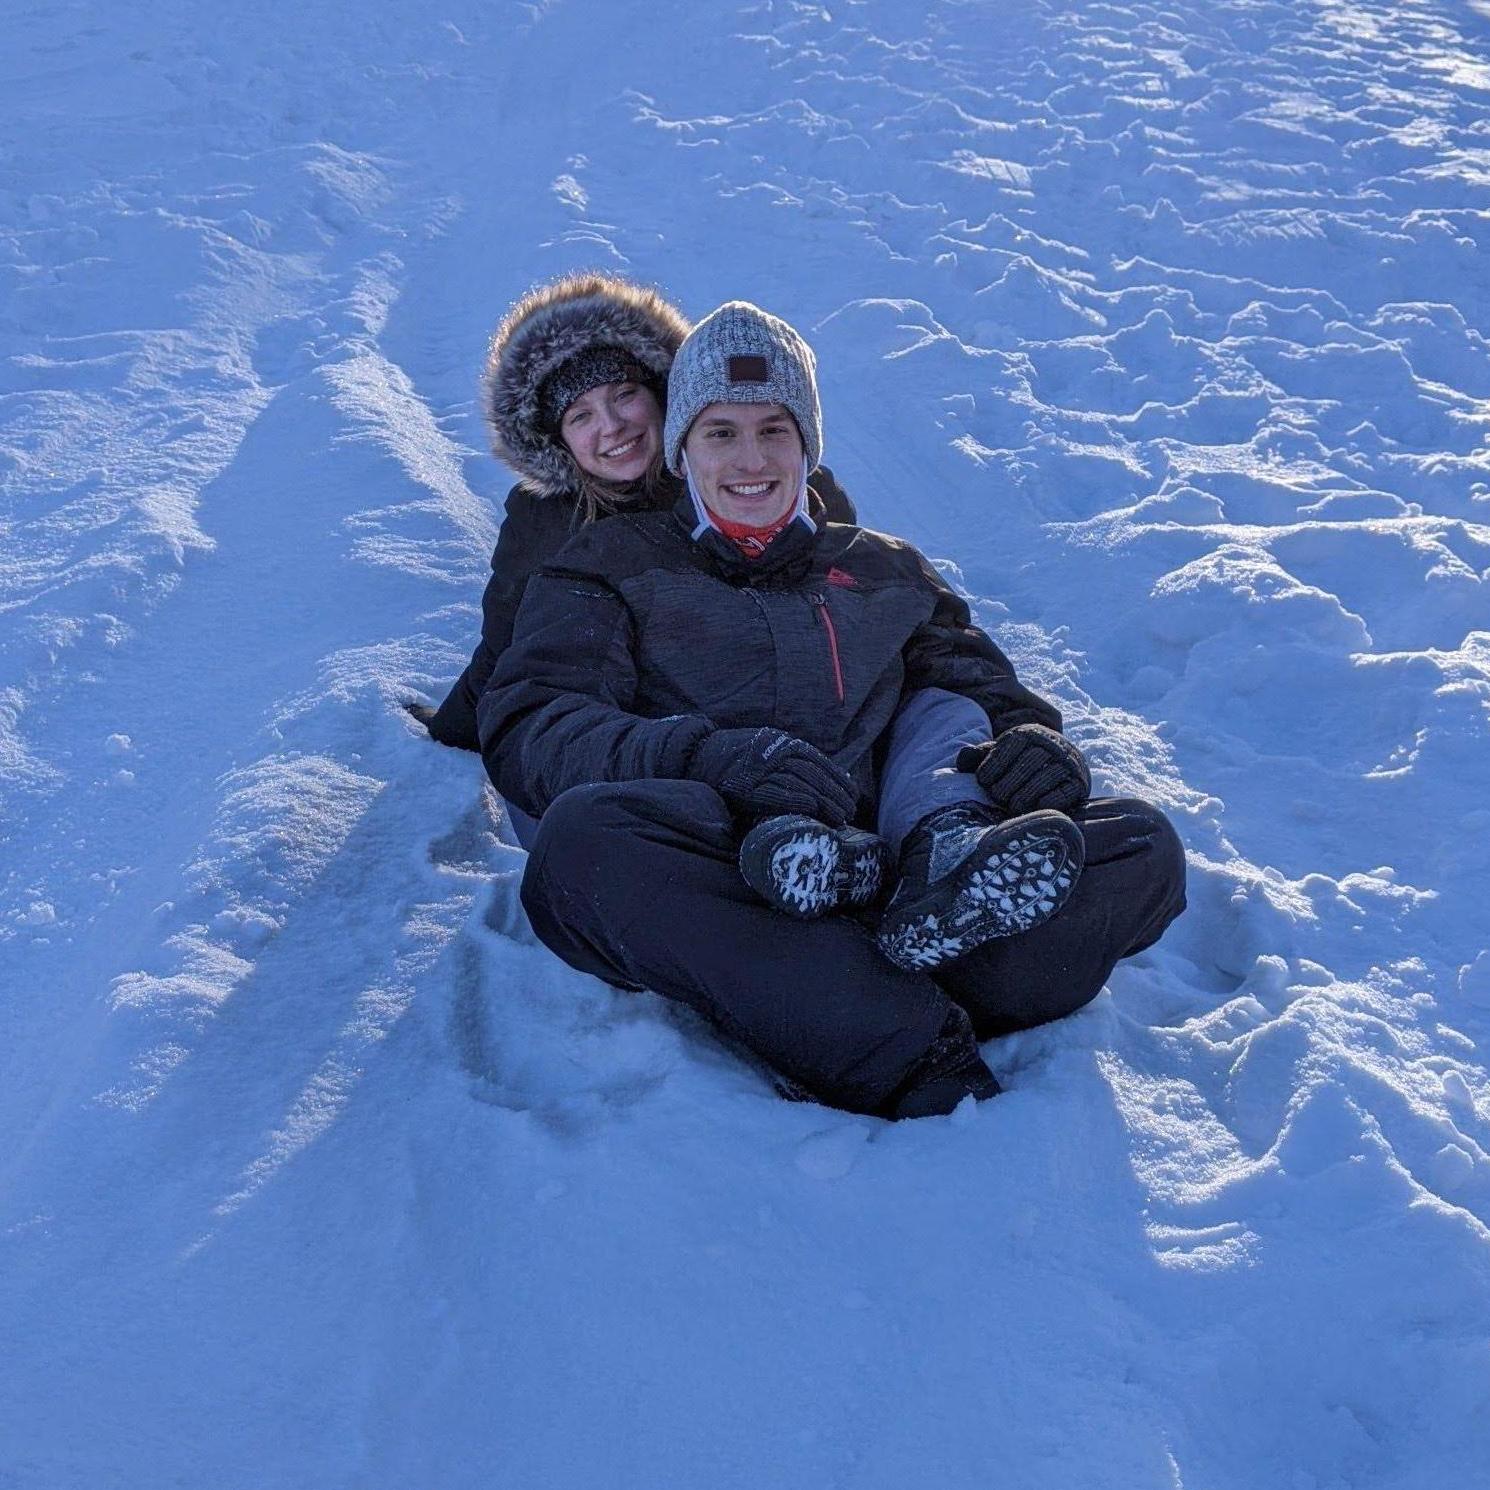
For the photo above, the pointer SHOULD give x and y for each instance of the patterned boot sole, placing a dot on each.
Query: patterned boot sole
(806, 869)
(1021, 876)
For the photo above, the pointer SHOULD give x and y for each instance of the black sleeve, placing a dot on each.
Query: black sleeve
(948, 651)
(836, 502)
(532, 532)
(556, 712)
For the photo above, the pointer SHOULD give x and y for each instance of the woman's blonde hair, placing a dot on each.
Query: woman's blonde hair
(596, 497)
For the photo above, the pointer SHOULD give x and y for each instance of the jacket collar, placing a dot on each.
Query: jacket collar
(787, 557)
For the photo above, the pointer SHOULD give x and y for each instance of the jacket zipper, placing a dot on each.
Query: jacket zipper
(822, 609)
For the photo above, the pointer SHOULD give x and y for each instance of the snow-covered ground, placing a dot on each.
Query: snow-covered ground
(1163, 325)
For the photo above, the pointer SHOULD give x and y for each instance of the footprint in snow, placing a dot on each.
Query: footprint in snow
(833, 1152)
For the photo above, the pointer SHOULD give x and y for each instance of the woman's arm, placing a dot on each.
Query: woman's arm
(532, 532)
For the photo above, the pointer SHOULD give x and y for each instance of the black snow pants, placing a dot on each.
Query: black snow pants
(638, 883)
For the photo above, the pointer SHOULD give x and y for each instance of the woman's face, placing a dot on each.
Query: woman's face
(614, 431)
(746, 461)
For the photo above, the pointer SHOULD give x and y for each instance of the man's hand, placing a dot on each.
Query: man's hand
(1029, 767)
(764, 772)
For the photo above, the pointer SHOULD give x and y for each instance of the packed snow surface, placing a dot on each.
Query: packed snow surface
(1162, 326)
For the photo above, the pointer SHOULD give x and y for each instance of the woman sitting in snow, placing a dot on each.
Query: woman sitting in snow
(709, 707)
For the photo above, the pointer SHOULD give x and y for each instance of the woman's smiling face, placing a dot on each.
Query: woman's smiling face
(614, 431)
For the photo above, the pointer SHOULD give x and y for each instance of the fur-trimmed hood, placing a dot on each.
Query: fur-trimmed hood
(545, 328)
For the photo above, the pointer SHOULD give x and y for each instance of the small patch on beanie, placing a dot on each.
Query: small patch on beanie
(749, 370)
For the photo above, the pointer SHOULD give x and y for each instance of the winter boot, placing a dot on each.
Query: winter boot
(967, 877)
(949, 1071)
(805, 868)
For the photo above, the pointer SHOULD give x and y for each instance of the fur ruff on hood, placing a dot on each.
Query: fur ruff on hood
(545, 328)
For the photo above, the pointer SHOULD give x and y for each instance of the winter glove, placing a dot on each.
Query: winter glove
(421, 711)
(1029, 767)
(764, 772)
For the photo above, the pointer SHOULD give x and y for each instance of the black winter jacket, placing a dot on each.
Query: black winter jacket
(533, 531)
(637, 641)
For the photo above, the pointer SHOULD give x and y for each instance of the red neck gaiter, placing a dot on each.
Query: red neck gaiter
(751, 541)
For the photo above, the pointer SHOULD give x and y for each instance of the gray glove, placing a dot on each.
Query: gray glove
(765, 772)
(1029, 767)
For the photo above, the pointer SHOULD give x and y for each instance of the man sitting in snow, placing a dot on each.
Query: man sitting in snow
(733, 719)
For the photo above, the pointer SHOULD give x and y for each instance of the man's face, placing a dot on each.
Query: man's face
(746, 461)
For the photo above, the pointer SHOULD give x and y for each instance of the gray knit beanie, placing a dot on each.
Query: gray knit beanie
(741, 354)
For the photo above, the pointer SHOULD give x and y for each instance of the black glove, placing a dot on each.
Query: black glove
(1029, 767)
(421, 711)
(764, 772)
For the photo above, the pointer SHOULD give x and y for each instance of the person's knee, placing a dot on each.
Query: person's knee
(584, 808)
(1153, 869)
(1163, 851)
(586, 820)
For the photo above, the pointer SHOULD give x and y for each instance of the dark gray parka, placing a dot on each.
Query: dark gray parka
(638, 639)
